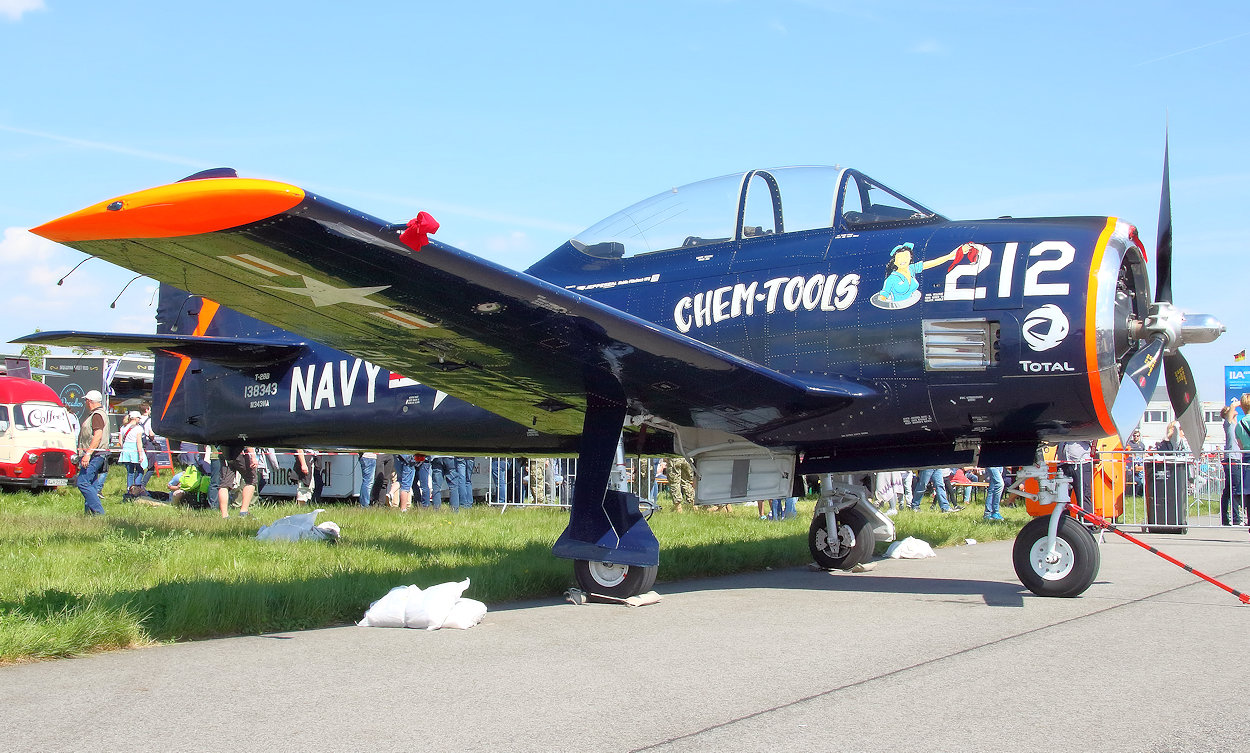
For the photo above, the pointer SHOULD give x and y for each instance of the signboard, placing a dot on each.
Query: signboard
(1236, 383)
(72, 377)
(340, 476)
(17, 367)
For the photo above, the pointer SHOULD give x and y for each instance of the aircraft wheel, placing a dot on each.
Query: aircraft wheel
(838, 552)
(1071, 574)
(608, 579)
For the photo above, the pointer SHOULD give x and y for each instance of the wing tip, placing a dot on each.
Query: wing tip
(188, 207)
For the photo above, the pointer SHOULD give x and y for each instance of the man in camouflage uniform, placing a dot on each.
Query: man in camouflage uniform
(538, 480)
(680, 482)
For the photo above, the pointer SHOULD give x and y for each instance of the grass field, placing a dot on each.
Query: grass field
(70, 584)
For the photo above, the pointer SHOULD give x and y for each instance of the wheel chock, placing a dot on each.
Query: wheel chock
(577, 597)
(862, 567)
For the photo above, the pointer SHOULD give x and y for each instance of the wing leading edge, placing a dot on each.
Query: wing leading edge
(501, 339)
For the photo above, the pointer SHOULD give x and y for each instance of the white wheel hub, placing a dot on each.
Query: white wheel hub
(608, 574)
(1062, 564)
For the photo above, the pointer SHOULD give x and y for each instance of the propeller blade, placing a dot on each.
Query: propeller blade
(1183, 392)
(1163, 247)
(1141, 376)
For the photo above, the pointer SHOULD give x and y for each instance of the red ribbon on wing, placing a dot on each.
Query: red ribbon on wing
(419, 230)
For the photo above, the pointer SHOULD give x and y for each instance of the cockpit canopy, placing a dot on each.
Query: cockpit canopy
(750, 205)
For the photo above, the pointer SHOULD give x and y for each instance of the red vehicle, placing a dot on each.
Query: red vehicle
(38, 437)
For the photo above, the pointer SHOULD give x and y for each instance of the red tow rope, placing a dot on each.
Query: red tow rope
(1105, 524)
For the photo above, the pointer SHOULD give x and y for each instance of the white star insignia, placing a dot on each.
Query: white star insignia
(328, 295)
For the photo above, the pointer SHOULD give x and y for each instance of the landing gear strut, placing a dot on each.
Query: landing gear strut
(613, 550)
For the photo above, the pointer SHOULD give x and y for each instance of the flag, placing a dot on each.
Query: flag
(1239, 357)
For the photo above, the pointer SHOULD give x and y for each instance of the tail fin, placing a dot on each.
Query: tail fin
(196, 339)
(202, 337)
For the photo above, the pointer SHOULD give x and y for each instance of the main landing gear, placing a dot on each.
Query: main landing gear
(842, 534)
(613, 550)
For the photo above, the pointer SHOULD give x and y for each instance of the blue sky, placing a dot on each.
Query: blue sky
(518, 124)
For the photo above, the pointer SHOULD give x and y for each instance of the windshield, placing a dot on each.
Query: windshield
(692, 215)
(868, 204)
(747, 205)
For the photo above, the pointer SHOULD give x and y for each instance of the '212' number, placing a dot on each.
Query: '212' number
(1033, 283)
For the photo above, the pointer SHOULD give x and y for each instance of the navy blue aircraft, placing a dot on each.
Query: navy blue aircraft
(767, 325)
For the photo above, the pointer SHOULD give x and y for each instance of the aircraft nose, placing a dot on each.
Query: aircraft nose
(185, 208)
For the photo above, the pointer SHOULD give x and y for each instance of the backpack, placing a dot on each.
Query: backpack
(194, 480)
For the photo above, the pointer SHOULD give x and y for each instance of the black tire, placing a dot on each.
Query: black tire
(1078, 563)
(618, 581)
(834, 555)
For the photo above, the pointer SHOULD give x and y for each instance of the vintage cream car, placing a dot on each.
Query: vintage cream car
(37, 436)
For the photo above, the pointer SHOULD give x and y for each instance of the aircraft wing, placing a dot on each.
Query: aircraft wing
(501, 339)
(227, 351)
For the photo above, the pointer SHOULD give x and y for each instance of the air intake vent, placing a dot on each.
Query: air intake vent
(960, 344)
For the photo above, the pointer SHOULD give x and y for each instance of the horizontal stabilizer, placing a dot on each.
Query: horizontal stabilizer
(227, 351)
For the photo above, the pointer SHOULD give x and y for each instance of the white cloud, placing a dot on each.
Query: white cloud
(18, 245)
(927, 47)
(105, 147)
(35, 301)
(1193, 49)
(438, 208)
(13, 9)
(506, 244)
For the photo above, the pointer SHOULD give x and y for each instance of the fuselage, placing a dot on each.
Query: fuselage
(1015, 346)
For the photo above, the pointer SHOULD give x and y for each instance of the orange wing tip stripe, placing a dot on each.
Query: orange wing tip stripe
(189, 208)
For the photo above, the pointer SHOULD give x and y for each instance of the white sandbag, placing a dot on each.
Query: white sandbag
(431, 610)
(388, 611)
(299, 527)
(910, 549)
(328, 531)
(465, 613)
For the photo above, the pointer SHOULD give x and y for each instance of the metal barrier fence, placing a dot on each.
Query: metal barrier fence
(1164, 491)
(497, 481)
(548, 482)
(1153, 490)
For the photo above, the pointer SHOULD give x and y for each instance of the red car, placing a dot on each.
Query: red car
(38, 436)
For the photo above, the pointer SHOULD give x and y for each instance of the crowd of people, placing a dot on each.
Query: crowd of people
(207, 475)
(232, 477)
(946, 487)
(393, 479)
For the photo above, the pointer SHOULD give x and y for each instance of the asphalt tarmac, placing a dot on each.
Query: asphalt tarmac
(942, 654)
